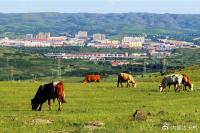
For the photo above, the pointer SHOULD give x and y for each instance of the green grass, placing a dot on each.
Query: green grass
(100, 102)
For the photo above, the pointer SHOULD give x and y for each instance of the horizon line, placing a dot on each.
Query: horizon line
(98, 13)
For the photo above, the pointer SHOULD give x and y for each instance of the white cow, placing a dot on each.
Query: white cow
(175, 79)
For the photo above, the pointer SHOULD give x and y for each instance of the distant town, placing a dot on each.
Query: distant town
(162, 48)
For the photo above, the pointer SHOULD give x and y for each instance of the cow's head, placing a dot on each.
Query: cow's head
(85, 81)
(34, 104)
(191, 87)
(190, 84)
(131, 81)
(134, 85)
(161, 87)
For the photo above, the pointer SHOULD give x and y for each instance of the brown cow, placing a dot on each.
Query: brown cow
(187, 82)
(48, 91)
(92, 78)
(125, 77)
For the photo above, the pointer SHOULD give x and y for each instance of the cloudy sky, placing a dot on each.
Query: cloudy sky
(101, 6)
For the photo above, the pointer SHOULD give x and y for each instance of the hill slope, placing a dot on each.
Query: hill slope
(125, 23)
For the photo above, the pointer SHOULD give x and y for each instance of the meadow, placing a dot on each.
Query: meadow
(103, 103)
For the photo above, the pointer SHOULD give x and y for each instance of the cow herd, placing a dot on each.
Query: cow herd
(55, 90)
(178, 80)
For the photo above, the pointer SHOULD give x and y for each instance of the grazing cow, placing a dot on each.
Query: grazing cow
(125, 77)
(92, 78)
(48, 91)
(175, 79)
(187, 82)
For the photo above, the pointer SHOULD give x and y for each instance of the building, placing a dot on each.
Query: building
(74, 42)
(42, 36)
(55, 39)
(119, 63)
(129, 39)
(178, 44)
(29, 37)
(159, 54)
(82, 35)
(99, 37)
(133, 42)
(36, 44)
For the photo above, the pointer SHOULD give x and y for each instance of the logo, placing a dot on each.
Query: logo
(165, 127)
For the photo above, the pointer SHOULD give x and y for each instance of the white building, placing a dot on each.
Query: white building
(133, 42)
(99, 37)
(82, 35)
(129, 39)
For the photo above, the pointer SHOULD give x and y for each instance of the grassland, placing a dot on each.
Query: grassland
(102, 102)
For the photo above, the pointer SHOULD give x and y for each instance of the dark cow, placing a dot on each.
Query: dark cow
(125, 77)
(175, 79)
(92, 78)
(48, 91)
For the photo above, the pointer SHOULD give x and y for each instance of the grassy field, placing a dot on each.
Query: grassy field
(102, 103)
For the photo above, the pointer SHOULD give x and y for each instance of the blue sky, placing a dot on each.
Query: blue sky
(101, 6)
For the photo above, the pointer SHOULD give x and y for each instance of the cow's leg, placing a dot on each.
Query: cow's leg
(59, 103)
(184, 87)
(179, 88)
(49, 103)
(121, 83)
(118, 83)
(169, 87)
(40, 108)
(163, 89)
(128, 84)
(176, 87)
